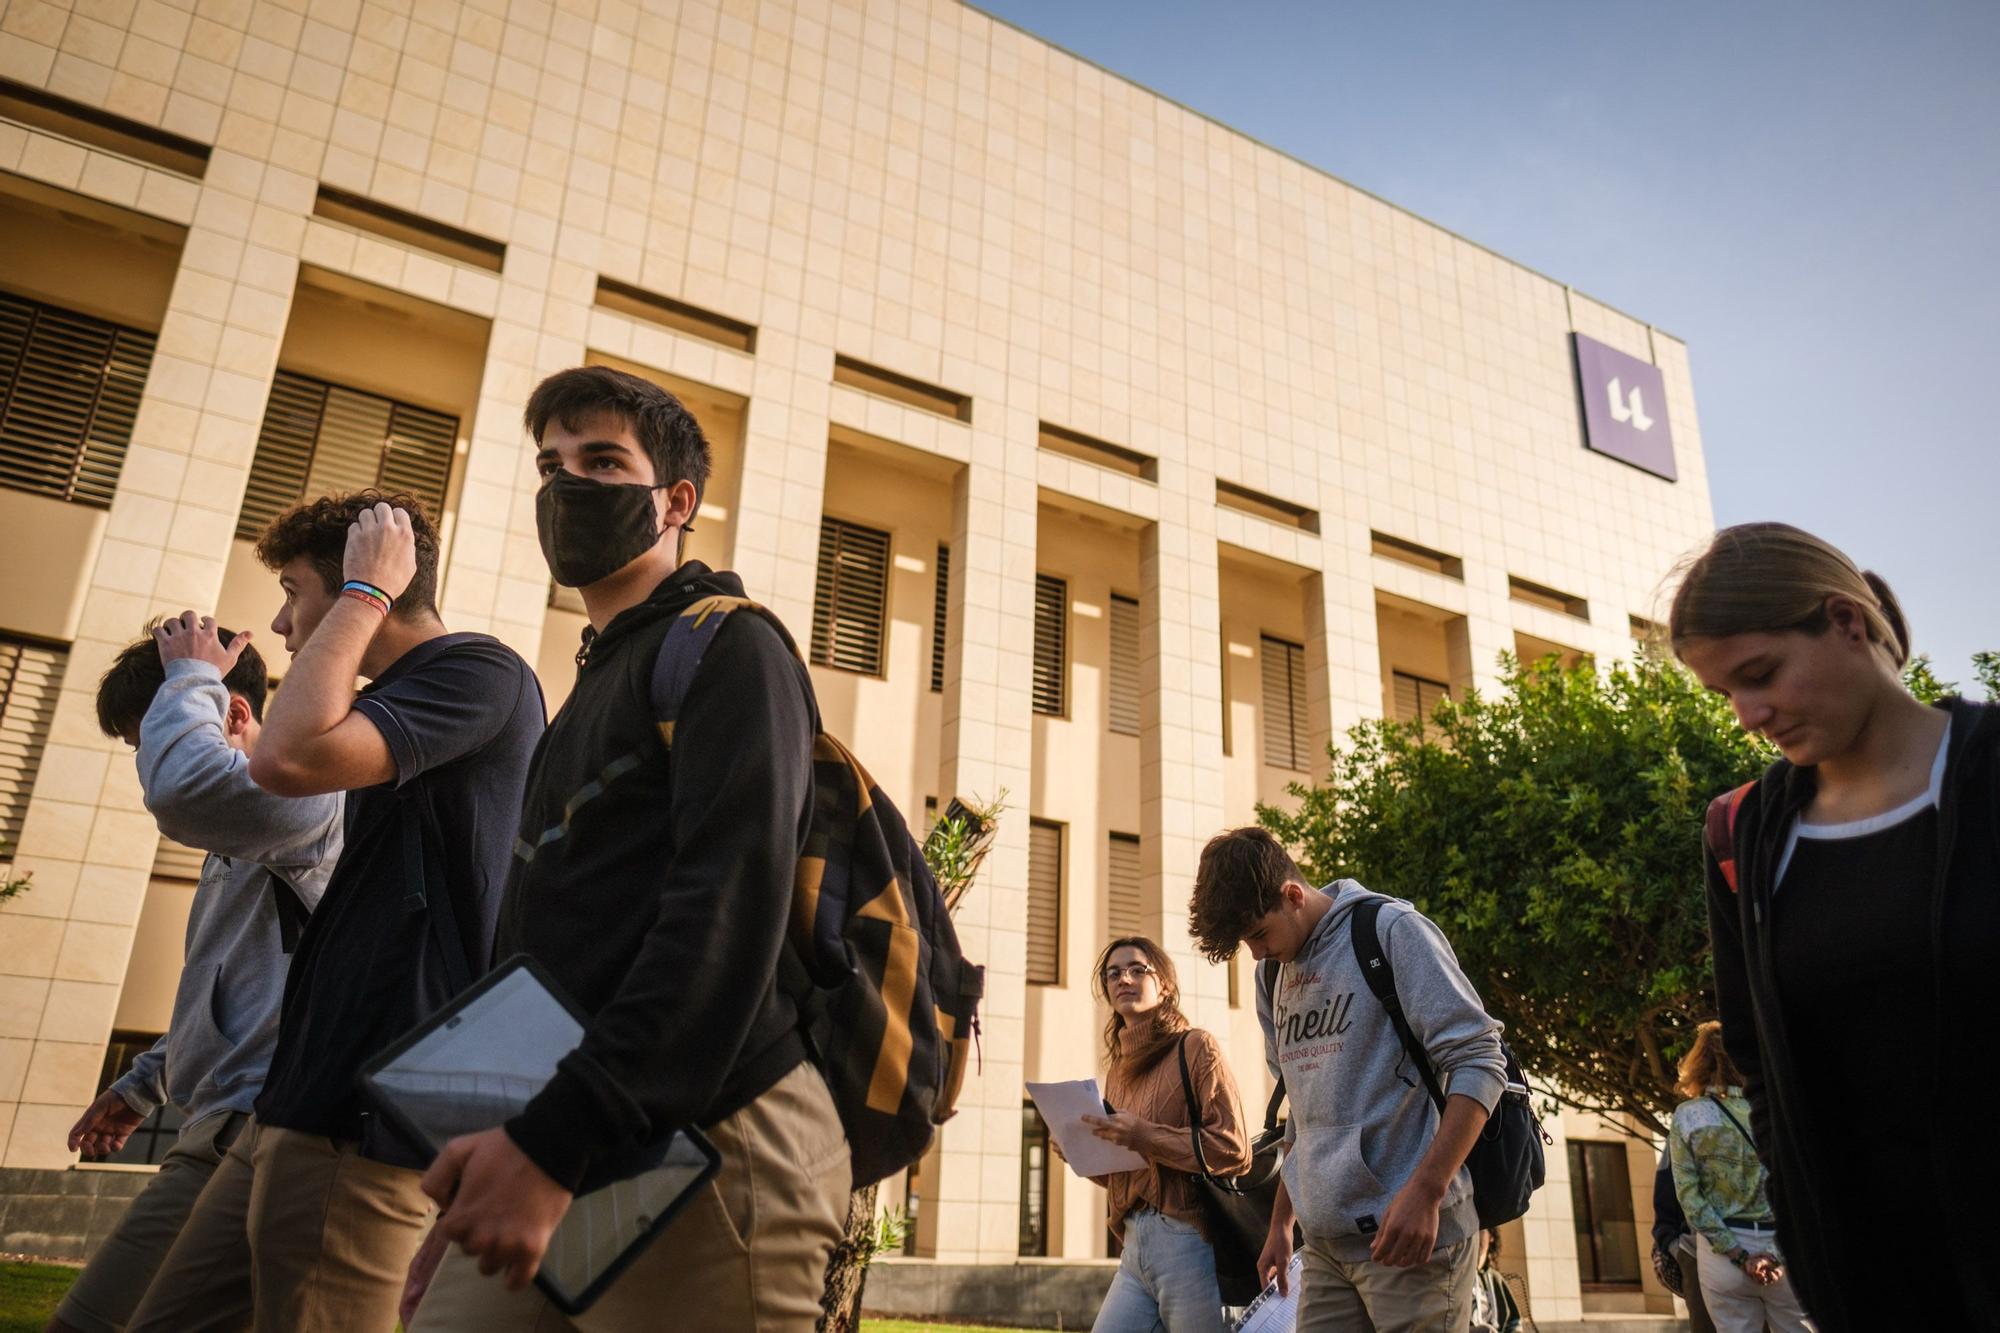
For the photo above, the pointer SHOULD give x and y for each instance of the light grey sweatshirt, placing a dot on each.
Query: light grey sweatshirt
(1361, 1120)
(225, 1021)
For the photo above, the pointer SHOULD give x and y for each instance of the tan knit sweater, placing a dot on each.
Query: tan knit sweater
(1156, 1095)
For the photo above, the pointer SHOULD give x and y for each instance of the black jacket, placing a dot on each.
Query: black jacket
(656, 884)
(1947, 1078)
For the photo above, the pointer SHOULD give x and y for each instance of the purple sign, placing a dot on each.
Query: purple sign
(1624, 407)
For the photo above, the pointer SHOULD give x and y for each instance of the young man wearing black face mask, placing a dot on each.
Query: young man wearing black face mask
(654, 880)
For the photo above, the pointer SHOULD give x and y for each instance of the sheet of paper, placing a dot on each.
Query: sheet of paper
(1063, 1106)
(1272, 1313)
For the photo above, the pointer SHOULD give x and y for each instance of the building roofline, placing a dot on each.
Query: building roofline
(1314, 168)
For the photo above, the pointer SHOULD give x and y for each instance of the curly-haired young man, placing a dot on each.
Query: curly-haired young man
(1376, 1175)
(310, 1222)
(189, 699)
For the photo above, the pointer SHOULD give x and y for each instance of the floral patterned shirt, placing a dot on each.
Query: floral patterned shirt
(1716, 1171)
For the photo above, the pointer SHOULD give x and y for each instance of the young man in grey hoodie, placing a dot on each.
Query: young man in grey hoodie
(189, 698)
(1375, 1176)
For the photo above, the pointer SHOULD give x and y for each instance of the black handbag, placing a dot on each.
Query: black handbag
(1238, 1210)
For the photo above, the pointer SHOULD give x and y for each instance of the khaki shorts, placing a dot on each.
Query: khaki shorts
(112, 1284)
(295, 1233)
(747, 1255)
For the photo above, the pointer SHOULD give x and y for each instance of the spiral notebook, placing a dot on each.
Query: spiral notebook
(477, 1062)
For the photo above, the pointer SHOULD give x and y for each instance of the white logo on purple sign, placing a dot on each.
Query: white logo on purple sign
(1625, 407)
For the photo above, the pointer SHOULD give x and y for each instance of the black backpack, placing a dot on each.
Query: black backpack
(888, 1004)
(1507, 1163)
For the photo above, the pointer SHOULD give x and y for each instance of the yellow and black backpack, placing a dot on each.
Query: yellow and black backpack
(888, 1003)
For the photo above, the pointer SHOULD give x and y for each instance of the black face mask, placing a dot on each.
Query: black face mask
(590, 529)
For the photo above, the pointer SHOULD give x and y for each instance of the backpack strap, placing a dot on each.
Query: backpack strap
(688, 638)
(1381, 978)
(1269, 969)
(1719, 831)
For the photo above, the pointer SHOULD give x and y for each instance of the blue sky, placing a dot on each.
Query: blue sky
(1809, 194)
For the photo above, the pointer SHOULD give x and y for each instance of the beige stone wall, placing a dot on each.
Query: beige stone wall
(909, 183)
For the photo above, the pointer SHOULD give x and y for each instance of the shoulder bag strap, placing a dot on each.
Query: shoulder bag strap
(1193, 1108)
(1730, 1116)
(1719, 831)
(1381, 979)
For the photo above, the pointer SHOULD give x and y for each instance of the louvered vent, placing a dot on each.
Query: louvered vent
(1044, 902)
(851, 597)
(939, 614)
(30, 676)
(69, 393)
(1126, 914)
(1123, 678)
(1417, 698)
(1285, 726)
(321, 439)
(1051, 646)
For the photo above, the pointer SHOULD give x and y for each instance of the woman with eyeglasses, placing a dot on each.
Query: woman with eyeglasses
(1166, 1270)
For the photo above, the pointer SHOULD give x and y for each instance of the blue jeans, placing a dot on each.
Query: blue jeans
(1165, 1281)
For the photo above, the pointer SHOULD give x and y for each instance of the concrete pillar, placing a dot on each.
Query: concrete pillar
(88, 840)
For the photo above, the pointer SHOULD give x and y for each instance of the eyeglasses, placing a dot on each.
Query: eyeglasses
(1137, 971)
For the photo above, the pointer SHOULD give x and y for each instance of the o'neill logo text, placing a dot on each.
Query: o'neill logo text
(1632, 409)
(1624, 407)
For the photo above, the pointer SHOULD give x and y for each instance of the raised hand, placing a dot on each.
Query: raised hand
(190, 636)
(381, 549)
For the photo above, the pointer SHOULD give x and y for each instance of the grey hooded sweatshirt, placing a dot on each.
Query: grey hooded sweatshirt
(1361, 1120)
(225, 1020)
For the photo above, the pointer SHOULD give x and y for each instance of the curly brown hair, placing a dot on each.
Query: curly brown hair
(1240, 878)
(318, 528)
(1169, 1022)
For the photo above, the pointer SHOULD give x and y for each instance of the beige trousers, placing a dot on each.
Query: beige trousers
(111, 1285)
(747, 1255)
(1343, 1296)
(295, 1233)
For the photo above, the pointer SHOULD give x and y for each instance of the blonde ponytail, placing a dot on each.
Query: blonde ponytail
(1766, 578)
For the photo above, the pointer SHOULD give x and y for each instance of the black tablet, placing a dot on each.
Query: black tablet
(475, 1063)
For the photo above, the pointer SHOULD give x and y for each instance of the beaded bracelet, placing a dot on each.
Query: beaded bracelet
(373, 593)
(366, 600)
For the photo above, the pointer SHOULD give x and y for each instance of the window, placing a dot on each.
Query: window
(1552, 599)
(677, 315)
(851, 597)
(69, 391)
(1418, 557)
(405, 228)
(30, 676)
(913, 1205)
(1034, 1182)
(1416, 698)
(320, 439)
(1286, 737)
(940, 610)
(1123, 678)
(1089, 449)
(1607, 1237)
(155, 1136)
(901, 388)
(1045, 881)
(1124, 897)
(1051, 648)
(1230, 495)
(101, 129)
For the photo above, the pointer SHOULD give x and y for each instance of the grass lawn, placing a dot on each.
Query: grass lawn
(28, 1295)
(29, 1292)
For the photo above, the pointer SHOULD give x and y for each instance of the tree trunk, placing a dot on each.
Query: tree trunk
(847, 1269)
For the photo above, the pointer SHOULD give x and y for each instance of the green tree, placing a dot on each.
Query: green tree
(1923, 682)
(1553, 831)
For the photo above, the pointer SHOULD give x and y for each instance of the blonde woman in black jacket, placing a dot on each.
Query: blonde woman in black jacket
(1856, 920)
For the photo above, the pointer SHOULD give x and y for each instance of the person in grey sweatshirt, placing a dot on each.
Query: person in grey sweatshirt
(1374, 1176)
(190, 698)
